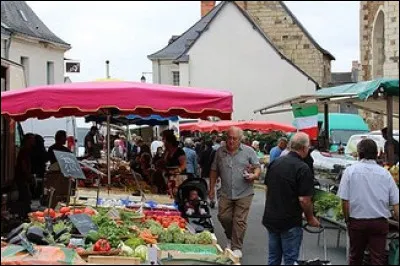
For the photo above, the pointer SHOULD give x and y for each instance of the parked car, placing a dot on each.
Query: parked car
(351, 147)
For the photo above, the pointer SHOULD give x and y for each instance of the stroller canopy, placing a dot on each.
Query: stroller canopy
(198, 184)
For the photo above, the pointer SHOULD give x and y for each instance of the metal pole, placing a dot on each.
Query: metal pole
(326, 123)
(108, 152)
(390, 155)
(107, 69)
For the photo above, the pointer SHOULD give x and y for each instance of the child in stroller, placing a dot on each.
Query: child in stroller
(191, 199)
(194, 205)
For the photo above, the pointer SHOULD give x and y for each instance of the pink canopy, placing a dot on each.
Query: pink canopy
(263, 126)
(79, 99)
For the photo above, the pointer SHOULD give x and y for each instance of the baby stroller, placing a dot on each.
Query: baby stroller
(199, 222)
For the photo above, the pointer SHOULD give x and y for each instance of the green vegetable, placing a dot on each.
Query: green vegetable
(179, 238)
(156, 229)
(204, 238)
(326, 202)
(113, 233)
(166, 237)
(126, 250)
(134, 242)
(141, 252)
(190, 238)
(174, 228)
(61, 225)
(339, 216)
(64, 238)
(92, 237)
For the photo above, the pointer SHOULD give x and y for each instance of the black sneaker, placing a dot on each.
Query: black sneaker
(212, 204)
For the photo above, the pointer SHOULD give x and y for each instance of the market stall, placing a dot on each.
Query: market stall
(379, 96)
(261, 126)
(127, 226)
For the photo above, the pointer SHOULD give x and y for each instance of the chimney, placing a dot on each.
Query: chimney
(242, 4)
(355, 67)
(206, 7)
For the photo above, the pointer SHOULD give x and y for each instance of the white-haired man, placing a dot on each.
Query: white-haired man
(238, 166)
(290, 189)
(191, 158)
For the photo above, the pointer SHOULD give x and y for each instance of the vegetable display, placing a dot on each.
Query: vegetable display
(328, 205)
(119, 232)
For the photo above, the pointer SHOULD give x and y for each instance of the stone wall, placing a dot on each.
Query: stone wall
(289, 38)
(368, 13)
(391, 10)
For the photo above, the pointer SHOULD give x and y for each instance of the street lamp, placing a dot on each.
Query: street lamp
(143, 78)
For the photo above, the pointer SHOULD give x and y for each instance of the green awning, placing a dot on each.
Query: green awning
(363, 89)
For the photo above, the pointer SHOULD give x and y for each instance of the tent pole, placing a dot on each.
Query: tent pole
(326, 123)
(108, 153)
(390, 155)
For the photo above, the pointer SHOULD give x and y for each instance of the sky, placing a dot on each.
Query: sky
(126, 32)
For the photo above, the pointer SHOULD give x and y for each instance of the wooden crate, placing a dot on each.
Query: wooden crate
(113, 260)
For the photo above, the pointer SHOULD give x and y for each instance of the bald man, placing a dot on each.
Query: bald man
(238, 166)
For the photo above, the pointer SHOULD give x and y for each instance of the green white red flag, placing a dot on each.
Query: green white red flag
(306, 120)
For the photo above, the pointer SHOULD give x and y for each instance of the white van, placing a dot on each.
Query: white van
(351, 147)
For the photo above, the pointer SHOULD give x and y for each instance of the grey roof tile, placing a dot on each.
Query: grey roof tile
(177, 50)
(33, 26)
(179, 44)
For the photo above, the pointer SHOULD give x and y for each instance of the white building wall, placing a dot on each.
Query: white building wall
(184, 74)
(162, 71)
(38, 57)
(231, 55)
(3, 48)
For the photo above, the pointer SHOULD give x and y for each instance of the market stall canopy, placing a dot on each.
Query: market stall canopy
(263, 126)
(367, 95)
(152, 120)
(116, 98)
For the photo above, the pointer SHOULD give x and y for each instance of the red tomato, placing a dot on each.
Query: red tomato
(49, 212)
(65, 209)
(78, 211)
(89, 211)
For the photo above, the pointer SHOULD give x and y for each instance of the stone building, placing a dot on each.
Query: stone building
(291, 38)
(379, 47)
(379, 39)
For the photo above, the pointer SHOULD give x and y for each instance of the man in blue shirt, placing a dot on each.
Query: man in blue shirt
(276, 151)
(191, 158)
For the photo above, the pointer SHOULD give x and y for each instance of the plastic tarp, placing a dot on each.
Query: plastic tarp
(46, 255)
(263, 126)
(116, 98)
(364, 89)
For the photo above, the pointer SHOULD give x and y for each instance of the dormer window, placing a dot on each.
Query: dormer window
(23, 15)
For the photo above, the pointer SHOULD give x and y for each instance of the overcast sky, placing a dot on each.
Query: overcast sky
(126, 32)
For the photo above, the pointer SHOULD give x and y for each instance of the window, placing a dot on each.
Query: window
(25, 64)
(175, 78)
(23, 15)
(50, 72)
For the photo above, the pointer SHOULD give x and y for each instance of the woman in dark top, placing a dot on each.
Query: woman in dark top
(174, 156)
(206, 159)
(23, 173)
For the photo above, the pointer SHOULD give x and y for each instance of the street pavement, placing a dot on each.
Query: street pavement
(255, 250)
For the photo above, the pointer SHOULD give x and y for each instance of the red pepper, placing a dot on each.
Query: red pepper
(102, 245)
